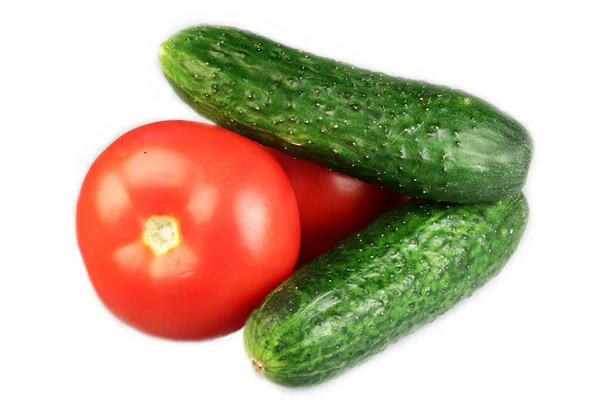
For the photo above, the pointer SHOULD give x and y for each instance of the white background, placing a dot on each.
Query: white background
(74, 76)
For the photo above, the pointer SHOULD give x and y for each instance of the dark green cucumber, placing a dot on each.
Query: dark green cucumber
(421, 139)
(401, 272)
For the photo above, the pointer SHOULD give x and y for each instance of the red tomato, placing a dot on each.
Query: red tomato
(331, 205)
(185, 227)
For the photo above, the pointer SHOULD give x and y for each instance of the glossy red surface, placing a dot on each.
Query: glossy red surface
(236, 217)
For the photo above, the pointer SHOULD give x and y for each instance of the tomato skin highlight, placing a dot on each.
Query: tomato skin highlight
(226, 228)
(332, 205)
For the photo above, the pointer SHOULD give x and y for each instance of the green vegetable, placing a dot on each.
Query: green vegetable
(421, 139)
(401, 272)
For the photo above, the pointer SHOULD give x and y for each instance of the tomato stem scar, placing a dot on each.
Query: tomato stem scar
(161, 234)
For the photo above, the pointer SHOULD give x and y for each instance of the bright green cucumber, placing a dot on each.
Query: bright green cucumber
(401, 272)
(421, 139)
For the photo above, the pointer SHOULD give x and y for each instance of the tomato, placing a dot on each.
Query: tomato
(185, 227)
(331, 205)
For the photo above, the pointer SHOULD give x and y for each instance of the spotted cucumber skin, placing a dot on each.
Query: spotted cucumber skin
(401, 272)
(421, 139)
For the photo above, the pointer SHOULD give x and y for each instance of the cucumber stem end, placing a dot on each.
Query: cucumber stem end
(258, 366)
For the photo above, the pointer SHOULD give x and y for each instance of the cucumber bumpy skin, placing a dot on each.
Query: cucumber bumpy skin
(424, 140)
(404, 270)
